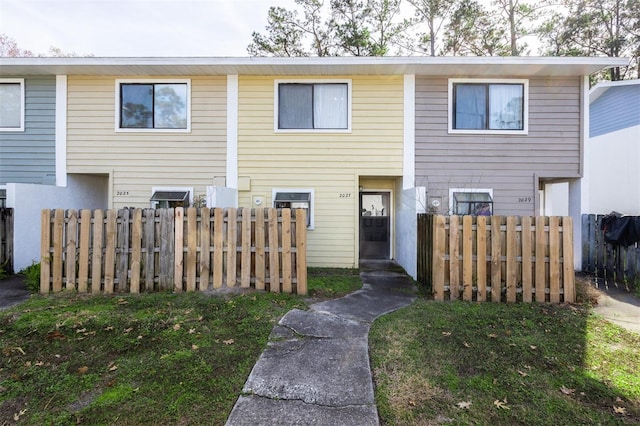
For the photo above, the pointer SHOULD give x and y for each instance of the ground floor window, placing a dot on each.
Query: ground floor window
(475, 202)
(295, 199)
(169, 198)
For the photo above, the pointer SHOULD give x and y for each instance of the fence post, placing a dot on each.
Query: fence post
(45, 252)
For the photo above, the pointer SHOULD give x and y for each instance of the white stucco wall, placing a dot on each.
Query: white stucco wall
(613, 174)
(408, 205)
(27, 200)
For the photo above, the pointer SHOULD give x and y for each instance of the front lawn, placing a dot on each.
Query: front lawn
(465, 363)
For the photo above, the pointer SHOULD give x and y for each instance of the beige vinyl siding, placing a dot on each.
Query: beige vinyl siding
(138, 161)
(508, 164)
(329, 163)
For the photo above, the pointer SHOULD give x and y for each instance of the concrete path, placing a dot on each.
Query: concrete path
(619, 306)
(13, 290)
(316, 370)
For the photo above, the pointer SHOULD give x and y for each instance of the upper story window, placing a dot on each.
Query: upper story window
(11, 104)
(313, 106)
(494, 106)
(153, 105)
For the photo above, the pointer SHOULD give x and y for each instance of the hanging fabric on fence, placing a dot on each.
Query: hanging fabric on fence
(621, 230)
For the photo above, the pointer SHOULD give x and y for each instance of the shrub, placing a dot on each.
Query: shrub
(32, 275)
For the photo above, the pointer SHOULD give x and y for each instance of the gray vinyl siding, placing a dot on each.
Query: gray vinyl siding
(618, 108)
(508, 164)
(29, 156)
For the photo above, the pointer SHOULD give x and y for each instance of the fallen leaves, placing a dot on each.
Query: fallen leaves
(619, 410)
(464, 405)
(228, 342)
(83, 370)
(8, 351)
(567, 391)
(502, 405)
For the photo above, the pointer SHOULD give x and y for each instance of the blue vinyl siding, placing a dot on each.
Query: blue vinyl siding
(29, 156)
(616, 109)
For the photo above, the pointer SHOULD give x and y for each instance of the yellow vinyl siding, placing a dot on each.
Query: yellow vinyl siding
(329, 163)
(139, 161)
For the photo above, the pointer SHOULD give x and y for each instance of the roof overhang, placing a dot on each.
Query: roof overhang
(482, 66)
(600, 88)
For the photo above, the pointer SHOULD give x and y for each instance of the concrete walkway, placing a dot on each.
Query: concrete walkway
(316, 370)
(617, 305)
(13, 290)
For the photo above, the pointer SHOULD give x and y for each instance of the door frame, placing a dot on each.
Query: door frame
(391, 218)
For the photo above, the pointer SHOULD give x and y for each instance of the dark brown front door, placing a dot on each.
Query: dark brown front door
(374, 225)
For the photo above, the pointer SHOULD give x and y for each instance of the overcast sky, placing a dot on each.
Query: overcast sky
(136, 27)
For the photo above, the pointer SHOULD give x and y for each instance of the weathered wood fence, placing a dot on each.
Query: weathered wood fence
(136, 250)
(496, 258)
(614, 263)
(6, 239)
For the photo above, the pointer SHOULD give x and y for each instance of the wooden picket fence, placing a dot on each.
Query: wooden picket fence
(613, 263)
(145, 250)
(497, 258)
(6, 239)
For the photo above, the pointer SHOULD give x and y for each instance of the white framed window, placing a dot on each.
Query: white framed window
(153, 105)
(12, 99)
(488, 106)
(3, 196)
(295, 198)
(312, 106)
(471, 201)
(165, 197)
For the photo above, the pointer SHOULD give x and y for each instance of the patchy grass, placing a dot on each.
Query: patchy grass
(127, 360)
(330, 283)
(505, 364)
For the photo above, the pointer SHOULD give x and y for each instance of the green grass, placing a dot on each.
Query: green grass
(332, 282)
(525, 364)
(158, 358)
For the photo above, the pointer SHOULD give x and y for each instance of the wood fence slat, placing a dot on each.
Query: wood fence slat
(454, 258)
(274, 264)
(178, 263)
(245, 280)
(45, 252)
(71, 237)
(496, 263)
(439, 257)
(554, 259)
(166, 279)
(527, 292)
(149, 244)
(232, 246)
(58, 243)
(467, 258)
(110, 252)
(218, 247)
(569, 285)
(481, 233)
(96, 254)
(136, 250)
(510, 281)
(84, 249)
(260, 250)
(286, 251)
(301, 252)
(205, 248)
(192, 247)
(541, 243)
(122, 249)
